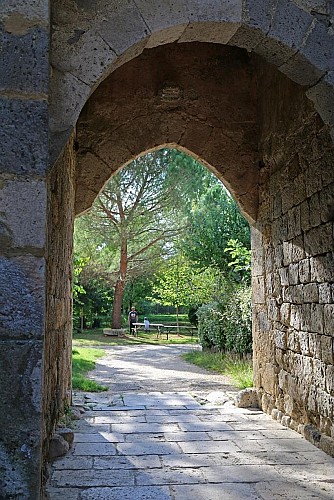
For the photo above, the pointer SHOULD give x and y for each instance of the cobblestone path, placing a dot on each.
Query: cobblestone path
(178, 445)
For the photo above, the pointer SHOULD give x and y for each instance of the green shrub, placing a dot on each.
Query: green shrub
(227, 325)
(238, 321)
(210, 326)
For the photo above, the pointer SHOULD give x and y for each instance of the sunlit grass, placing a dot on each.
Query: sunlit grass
(83, 361)
(96, 338)
(240, 370)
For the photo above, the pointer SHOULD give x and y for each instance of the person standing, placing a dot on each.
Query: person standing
(132, 318)
(146, 325)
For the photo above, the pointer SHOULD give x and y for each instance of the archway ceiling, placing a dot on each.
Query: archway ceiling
(198, 97)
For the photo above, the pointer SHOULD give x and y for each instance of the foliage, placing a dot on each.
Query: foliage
(226, 325)
(241, 258)
(179, 283)
(210, 326)
(213, 222)
(237, 320)
(240, 370)
(83, 361)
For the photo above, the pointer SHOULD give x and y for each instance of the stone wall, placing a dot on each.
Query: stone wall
(293, 267)
(24, 149)
(58, 336)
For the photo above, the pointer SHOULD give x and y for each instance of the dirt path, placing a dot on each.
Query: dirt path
(155, 368)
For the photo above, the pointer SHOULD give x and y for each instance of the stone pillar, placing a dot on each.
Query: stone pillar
(24, 70)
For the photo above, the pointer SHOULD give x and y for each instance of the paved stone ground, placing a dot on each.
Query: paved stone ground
(181, 444)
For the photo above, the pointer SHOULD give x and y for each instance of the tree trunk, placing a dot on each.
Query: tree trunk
(117, 305)
(119, 286)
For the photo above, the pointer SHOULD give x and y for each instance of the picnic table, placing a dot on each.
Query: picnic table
(167, 329)
(188, 329)
(158, 326)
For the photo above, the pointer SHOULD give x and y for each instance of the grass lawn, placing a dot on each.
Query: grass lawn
(96, 338)
(83, 361)
(241, 371)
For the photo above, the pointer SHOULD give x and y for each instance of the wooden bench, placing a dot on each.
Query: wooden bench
(113, 332)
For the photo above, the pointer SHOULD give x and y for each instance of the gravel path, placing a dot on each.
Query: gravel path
(150, 368)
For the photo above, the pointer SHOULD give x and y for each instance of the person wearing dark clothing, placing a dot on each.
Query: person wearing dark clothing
(132, 318)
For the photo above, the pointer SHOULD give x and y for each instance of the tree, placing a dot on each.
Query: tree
(178, 283)
(133, 222)
(213, 222)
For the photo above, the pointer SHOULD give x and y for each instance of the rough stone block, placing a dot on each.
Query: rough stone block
(167, 35)
(326, 343)
(124, 28)
(317, 318)
(297, 251)
(319, 240)
(280, 339)
(304, 271)
(313, 58)
(23, 204)
(258, 290)
(305, 215)
(216, 10)
(273, 310)
(22, 298)
(319, 373)
(287, 253)
(294, 227)
(293, 274)
(24, 14)
(304, 343)
(64, 111)
(326, 207)
(24, 136)
(330, 379)
(58, 447)
(322, 94)
(285, 313)
(66, 434)
(322, 268)
(325, 293)
(311, 292)
(326, 444)
(305, 317)
(257, 262)
(329, 319)
(296, 316)
(85, 55)
(24, 64)
(284, 276)
(247, 398)
(289, 24)
(314, 204)
(299, 189)
(211, 32)
(293, 341)
(164, 15)
(21, 373)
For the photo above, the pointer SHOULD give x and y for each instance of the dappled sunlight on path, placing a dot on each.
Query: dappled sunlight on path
(176, 444)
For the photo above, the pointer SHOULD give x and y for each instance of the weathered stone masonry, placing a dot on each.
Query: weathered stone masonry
(285, 186)
(293, 266)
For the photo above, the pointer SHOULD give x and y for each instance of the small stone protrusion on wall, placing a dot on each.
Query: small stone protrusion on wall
(247, 398)
(58, 447)
(67, 434)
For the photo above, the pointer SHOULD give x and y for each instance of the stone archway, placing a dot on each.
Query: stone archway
(292, 235)
(90, 43)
